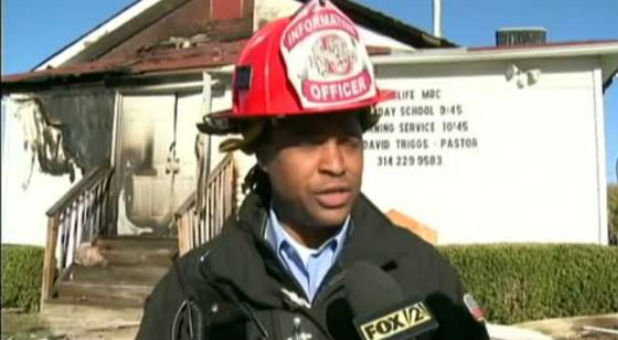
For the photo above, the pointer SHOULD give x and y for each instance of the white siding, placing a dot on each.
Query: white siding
(23, 210)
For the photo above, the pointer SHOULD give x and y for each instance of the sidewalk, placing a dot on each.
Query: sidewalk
(573, 328)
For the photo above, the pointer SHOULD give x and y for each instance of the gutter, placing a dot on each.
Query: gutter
(471, 54)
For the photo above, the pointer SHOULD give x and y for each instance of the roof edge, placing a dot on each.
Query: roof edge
(564, 49)
(370, 18)
(115, 21)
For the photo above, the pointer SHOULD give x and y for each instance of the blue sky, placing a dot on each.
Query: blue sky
(32, 30)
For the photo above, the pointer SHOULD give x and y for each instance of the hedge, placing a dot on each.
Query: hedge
(512, 282)
(22, 267)
(521, 282)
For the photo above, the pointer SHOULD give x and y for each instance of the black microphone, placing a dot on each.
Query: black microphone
(380, 310)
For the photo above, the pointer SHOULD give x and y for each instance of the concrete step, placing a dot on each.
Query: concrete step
(139, 242)
(65, 316)
(134, 265)
(98, 301)
(133, 250)
(136, 255)
(105, 294)
(146, 274)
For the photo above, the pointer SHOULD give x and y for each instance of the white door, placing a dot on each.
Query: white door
(185, 171)
(155, 160)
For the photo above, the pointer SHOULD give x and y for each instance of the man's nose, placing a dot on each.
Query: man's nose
(331, 158)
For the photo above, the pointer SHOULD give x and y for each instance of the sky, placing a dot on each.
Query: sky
(32, 30)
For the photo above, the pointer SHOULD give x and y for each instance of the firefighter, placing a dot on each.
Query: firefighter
(303, 94)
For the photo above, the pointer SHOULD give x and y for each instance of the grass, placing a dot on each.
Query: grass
(17, 325)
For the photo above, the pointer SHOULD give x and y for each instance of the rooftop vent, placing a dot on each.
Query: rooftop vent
(521, 36)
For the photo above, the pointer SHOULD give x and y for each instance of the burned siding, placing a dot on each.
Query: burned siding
(85, 119)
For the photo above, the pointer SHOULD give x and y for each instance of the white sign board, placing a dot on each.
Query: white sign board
(479, 157)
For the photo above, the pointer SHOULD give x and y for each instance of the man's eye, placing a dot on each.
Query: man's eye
(354, 142)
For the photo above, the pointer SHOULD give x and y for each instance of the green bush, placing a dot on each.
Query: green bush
(612, 213)
(21, 276)
(521, 282)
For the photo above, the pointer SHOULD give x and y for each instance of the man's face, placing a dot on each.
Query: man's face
(315, 166)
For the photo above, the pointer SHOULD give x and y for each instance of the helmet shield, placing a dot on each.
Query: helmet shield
(325, 61)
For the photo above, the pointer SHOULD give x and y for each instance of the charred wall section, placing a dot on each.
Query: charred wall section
(85, 119)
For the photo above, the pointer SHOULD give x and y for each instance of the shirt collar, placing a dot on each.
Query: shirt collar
(279, 239)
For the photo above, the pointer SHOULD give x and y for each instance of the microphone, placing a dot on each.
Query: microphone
(380, 310)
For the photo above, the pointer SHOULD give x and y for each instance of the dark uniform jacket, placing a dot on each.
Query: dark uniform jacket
(235, 288)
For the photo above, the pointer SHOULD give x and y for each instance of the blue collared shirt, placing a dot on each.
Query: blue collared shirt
(308, 266)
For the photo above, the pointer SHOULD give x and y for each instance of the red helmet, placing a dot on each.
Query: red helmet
(312, 62)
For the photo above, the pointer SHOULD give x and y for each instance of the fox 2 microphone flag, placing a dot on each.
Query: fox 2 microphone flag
(379, 308)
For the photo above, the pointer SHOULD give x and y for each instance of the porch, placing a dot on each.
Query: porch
(88, 264)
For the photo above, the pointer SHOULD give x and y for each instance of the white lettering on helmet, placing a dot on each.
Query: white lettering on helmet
(334, 90)
(315, 23)
(325, 93)
(337, 91)
(362, 85)
(315, 92)
(346, 90)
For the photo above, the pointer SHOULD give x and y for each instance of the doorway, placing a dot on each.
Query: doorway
(155, 159)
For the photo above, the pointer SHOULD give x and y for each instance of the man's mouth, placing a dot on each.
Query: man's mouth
(334, 197)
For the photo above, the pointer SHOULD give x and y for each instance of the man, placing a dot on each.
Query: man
(303, 95)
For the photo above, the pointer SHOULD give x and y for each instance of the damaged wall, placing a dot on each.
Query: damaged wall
(45, 139)
(41, 141)
(85, 119)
